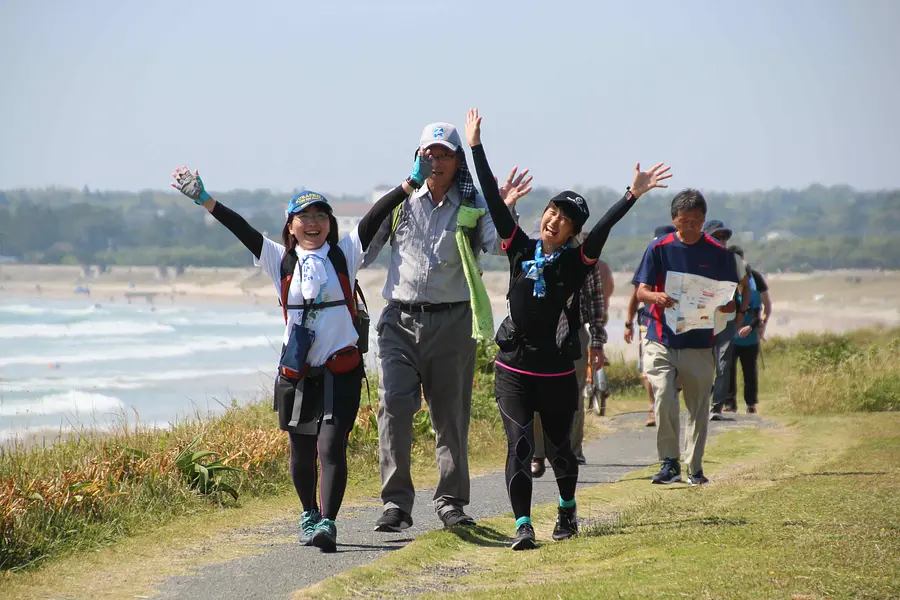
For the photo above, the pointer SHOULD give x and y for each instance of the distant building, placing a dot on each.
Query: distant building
(380, 191)
(778, 234)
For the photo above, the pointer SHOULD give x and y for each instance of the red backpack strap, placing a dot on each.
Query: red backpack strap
(339, 262)
(288, 263)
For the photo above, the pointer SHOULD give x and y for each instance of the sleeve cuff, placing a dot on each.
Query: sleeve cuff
(588, 261)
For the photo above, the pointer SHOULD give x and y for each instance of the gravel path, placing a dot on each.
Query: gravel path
(284, 567)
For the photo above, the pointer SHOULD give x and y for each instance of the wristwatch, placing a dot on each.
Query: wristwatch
(413, 183)
(629, 325)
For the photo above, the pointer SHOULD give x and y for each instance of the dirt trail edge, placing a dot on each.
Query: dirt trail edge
(283, 567)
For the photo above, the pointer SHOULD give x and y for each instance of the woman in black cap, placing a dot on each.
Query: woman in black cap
(535, 371)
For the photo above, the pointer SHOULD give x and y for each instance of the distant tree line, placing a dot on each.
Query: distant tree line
(815, 228)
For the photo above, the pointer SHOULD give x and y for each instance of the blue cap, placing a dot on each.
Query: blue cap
(715, 226)
(663, 230)
(305, 199)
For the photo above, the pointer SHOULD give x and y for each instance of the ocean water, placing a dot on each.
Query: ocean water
(74, 363)
(68, 364)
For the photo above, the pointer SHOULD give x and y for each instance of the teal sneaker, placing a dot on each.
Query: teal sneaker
(325, 536)
(308, 522)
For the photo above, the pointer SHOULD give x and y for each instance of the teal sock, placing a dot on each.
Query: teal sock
(567, 503)
(522, 520)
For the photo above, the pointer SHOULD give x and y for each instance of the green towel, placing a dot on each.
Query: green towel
(482, 314)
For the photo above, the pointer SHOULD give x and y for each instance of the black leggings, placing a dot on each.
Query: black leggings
(748, 356)
(519, 396)
(328, 447)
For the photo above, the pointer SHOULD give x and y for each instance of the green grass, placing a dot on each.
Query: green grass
(806, 510)
(810, 512)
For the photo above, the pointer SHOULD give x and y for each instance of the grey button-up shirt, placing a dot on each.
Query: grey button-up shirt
(425, 262)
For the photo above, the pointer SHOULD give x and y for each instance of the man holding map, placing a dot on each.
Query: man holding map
(684, 278)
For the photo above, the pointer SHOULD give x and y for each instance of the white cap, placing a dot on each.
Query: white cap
(443, 134)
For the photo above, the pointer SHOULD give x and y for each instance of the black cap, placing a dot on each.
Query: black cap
(663, 230)
(574, 205)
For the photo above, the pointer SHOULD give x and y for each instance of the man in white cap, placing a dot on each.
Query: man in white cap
(425, 333)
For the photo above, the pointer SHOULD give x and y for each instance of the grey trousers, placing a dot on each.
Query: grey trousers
(577, 436)
(724, 350)
(430, 354)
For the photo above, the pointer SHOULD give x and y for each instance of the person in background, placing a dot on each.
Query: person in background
(426, 344)
(639, 310)
(725, 325)
(593, 308)
(750, 332)
(671, 359)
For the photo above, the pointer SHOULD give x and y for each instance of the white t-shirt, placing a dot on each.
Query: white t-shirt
(333, 326)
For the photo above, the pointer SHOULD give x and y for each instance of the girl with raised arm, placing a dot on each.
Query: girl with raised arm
(319, 381)
(535, 370)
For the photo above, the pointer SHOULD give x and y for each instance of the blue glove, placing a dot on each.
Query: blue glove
(421, 170)
(190, 185)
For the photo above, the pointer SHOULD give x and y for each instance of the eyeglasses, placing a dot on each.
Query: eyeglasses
(442, 157)
(308, 219)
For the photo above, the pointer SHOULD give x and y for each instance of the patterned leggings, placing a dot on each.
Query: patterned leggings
(519, 396)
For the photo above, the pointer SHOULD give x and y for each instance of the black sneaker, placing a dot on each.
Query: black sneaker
(716, 413)
(524, 539)
(697, 478)
(325, 537)
(580, 459)
(566, 524)
(751, 409)
(393, 520)
(669, 473)
(455, 516)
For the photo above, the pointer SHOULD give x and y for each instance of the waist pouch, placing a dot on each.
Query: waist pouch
(508, 338)
(344, 360)
(293, 359)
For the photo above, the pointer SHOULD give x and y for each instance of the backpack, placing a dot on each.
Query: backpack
(354, 299)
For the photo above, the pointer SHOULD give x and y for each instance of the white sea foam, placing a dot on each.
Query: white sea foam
(27, 309)
(68, 402)
(227, 319)
(209, 344)
(117, 382)
(82, 329)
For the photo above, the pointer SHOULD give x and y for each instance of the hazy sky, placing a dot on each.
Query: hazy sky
(333, 95)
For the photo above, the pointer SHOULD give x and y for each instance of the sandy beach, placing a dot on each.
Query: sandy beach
(820, 301)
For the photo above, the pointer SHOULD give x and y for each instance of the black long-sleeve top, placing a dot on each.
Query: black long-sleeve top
(367, 228)
(536, 319)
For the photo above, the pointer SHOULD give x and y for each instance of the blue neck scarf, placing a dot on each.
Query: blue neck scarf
(534, 269)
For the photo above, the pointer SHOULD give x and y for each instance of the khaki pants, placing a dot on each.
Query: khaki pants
(694, 369)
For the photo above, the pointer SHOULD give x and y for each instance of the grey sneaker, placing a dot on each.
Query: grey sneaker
(308, 522)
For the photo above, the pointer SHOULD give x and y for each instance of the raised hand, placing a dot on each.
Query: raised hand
(473, 127)
(422, 168)
(190, 185)
(515, 187)
(644, 181)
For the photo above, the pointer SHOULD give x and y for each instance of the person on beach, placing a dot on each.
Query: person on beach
(747, 338)
(436, 306)
(639, 310)
(535, 371)
(680, 360)
(319, 383)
